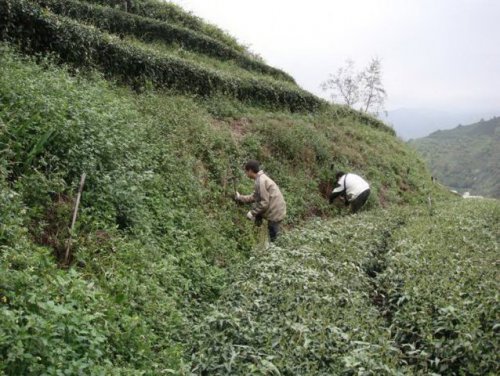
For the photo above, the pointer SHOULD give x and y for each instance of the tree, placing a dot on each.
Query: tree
(363, 89)
(373, 92)
(344, 84)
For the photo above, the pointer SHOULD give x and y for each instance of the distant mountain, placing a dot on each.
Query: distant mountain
(466, 158)
(412, 123)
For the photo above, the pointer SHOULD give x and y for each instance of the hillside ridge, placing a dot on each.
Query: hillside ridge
(465, 158)
(37, 29)
(483, 127)
(161, 133)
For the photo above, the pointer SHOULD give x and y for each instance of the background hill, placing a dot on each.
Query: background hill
(160, 110)
(412, 123)
(465, 158)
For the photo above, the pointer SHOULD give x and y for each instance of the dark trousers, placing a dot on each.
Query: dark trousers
(274, 230)
(359, 201)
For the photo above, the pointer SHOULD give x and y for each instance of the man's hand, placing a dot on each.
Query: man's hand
(250, 216)
(237, 197)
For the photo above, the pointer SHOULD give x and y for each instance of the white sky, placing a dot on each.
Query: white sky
(442, 54)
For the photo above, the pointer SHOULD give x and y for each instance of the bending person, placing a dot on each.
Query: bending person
(352, 189)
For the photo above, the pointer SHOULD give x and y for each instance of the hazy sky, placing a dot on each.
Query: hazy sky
(441, 54)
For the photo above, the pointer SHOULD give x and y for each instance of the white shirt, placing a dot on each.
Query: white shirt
(353, 184)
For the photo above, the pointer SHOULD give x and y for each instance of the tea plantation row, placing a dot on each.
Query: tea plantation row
(38, 30)
(173, 14)
(380, 293)
(116, 21)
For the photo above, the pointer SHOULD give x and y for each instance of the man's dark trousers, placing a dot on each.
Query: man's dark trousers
(359, 201)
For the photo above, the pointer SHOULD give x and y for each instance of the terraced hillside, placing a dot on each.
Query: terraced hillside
(159, 110)
(89, 35)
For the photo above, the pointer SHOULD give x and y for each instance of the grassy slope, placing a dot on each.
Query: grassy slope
(157, 230)
(173, 14)
(158, 166)
(37, 29)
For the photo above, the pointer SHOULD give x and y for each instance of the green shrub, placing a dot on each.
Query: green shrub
(171, 13)
(301, 307)
(159, 239)
(380, 293)
(116, 21)
(442, 290)
(143, 253)
(40, 31)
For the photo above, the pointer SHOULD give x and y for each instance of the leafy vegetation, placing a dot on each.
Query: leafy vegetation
(173, 14)
(465, 158)
(441, 292)
(145, 260)
(381, 293)
(118, 22)
(38, 30)
(165, 275)
(141, 259)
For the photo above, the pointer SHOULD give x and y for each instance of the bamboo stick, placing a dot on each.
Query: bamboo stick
(73, 220)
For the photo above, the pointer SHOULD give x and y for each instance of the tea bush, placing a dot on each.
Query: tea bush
(118, 22)
(38, 30)
(302, 307)
(172, 13)
(144, 253)
(378, 293)
(442, 289)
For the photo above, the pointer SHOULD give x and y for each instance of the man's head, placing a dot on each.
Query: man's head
(339, 174)
(252, 167)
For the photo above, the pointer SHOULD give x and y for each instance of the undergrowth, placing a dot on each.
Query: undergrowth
(157, 230)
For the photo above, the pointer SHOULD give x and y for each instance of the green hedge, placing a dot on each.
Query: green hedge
(302, 308)
(38, 30)
(172, 13)
(117, 21)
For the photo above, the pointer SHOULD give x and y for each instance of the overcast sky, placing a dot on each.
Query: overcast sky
(440, 54)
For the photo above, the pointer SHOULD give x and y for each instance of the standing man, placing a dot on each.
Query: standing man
(267, 198)
(352, 188)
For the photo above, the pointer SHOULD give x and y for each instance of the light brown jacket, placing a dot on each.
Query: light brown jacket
(268, 200)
